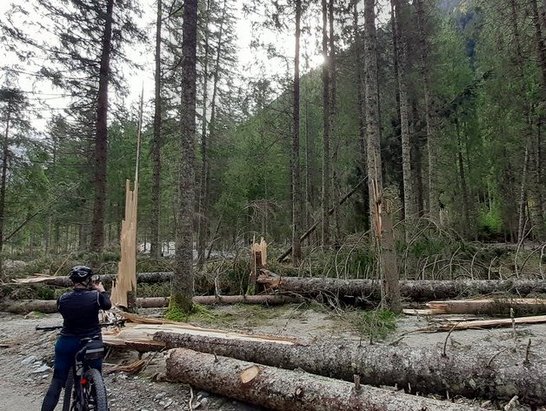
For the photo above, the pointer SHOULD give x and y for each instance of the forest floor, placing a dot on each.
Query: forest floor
(25, 353)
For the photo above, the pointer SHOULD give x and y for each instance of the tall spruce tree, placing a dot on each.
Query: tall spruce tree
(182, 285)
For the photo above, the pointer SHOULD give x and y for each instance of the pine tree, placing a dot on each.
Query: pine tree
(182, 285)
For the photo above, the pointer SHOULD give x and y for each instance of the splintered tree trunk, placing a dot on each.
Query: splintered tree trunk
(280, 389)
(101, 137)
(296, 172)
(466, 371)
(182, 285)
(156, 144)
(326, 173)
(381, 224)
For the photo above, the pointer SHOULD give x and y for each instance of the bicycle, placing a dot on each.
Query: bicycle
(84, 387)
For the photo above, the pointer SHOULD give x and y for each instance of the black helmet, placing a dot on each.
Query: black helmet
(80, 274)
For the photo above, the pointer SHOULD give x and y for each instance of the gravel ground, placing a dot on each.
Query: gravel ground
(26, 355)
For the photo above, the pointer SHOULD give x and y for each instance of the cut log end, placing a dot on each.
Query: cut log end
(249, 374)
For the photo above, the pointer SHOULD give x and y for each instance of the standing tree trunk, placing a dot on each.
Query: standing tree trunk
(182, 285)
(375, 180)
(410, 204)
(537, 185)
(204, 217)
(433, 201)
(101, 136)
(530, 189)
(155, 241)
(325, 229)
(462, 176)
(201, 218)
(335, 183)
(361, 97)
(5, 155)
(296, 177)
(382, 230)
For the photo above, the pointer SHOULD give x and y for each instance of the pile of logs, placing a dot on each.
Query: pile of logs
(333, 374)
(340, 374)
(280, 290)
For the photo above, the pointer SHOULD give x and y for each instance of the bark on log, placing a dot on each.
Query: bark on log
(50, 306)
(470, 372)
(481, 324)
(141, 336)
(281, 390)
(489, 306)
(416, 290)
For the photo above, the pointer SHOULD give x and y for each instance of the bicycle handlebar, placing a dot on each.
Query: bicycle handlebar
(58, 327)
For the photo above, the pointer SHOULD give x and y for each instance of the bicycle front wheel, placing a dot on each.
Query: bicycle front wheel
(94, 391)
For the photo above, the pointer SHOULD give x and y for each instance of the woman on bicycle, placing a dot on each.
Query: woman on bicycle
(80, 310)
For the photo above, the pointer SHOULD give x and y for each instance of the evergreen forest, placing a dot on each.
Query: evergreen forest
(426, 114)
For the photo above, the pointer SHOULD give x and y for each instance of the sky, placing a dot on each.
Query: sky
(251, 62)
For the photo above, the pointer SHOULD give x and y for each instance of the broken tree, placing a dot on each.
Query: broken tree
(415, 290)
(288, 390)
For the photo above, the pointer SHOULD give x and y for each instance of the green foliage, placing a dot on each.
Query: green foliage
(426, 246)
(199, 314)
(45, 293)
(490, 222)
(377, 324)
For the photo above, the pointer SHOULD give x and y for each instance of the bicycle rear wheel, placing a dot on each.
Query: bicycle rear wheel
(94, 391)
(68, 386)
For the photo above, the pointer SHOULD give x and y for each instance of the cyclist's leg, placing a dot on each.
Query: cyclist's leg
(65, 349)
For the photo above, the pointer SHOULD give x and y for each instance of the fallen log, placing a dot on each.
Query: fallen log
(416, 290)
(489, 306)
(468, 371)
(481, 324)
(281, 390)
(50, 306)
(141, 336)
(106, 279)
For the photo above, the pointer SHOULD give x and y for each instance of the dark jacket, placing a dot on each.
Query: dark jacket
(80, 310)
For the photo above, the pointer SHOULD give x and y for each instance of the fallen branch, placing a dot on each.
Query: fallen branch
(288, 390)
(133, 368)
